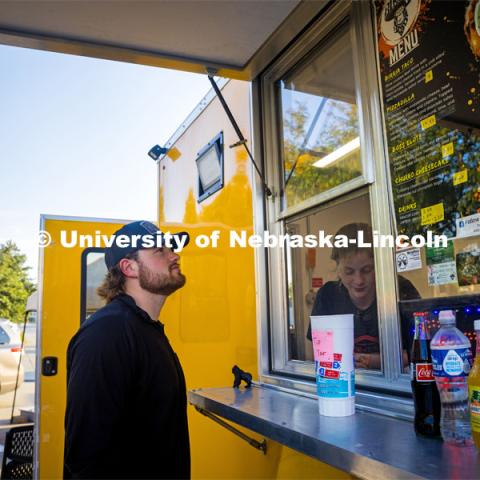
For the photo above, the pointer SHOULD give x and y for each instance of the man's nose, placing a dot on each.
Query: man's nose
(359, 277)
(174, 256)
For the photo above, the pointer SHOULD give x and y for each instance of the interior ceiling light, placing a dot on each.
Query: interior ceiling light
(339, 153)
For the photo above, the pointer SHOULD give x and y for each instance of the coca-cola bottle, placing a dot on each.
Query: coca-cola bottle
(424, 389)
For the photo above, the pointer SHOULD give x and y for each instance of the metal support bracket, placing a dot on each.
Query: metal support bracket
(241, 139)
(239, 143)
(254, 443)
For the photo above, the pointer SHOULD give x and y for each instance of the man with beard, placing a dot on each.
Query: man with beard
(126, 397)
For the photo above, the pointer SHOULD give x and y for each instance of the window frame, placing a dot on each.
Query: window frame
(83, 280)
(285, 66)
(218, 145)
(3, 332)
(274, 366)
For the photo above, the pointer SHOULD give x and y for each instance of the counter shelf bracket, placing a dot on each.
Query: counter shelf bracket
(254, 443)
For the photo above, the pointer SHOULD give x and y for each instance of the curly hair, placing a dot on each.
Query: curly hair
(114, 282)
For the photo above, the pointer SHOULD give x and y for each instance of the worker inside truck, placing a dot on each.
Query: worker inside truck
(354, 292)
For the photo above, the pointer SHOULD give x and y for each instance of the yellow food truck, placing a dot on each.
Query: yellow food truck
(322, 114)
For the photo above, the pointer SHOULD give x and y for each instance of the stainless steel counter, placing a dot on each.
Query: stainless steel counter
(366, 445)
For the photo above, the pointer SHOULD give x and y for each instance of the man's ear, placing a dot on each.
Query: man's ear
(128, 267)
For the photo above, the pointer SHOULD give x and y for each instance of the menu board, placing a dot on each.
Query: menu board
(429, 58)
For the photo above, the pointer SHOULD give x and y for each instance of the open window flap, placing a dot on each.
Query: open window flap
(238, 38)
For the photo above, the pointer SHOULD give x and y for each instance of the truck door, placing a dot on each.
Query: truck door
(71, 268)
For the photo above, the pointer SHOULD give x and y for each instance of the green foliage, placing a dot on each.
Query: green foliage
(15, 286)
(308, 180)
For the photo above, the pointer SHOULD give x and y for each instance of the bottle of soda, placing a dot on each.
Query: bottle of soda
(474, 389)
(424, 389)
(452, 360)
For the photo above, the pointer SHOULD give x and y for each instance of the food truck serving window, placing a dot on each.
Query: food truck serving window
(361, 140)
(322, 140)
(321, 154)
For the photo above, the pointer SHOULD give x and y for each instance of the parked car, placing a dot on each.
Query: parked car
(10, 356)
(30, 339)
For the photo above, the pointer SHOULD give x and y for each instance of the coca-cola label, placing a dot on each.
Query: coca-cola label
(424, 372)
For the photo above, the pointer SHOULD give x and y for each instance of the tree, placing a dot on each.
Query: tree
(15, 286)
(338, 127)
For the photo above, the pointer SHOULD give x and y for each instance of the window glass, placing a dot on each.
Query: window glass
(30, 346)
(95, 274)
(329, 281)
(443, 272)
(320, 134)
(4, 338)
(209, 168)
(32, 317)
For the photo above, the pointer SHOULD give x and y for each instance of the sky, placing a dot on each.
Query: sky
(74, 137)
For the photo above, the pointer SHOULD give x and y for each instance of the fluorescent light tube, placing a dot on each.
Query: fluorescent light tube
(341, 152)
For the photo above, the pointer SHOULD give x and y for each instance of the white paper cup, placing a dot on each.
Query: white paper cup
(332, 339)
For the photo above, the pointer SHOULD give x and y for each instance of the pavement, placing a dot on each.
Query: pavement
(25, 398)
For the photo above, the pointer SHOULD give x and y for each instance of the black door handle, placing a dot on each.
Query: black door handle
(49, 366)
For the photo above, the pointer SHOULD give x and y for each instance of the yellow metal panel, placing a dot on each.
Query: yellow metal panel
(293, 464)
(60, 319)
(211, 322)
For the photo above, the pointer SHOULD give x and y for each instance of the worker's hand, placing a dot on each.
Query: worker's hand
(361, 360)
(368, 361)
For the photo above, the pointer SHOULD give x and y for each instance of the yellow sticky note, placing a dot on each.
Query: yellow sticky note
(428, 122)
(447, 150)
(428, 76)
(460, 177)
(432, 214)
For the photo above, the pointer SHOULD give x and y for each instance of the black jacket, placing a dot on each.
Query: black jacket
(126, 399)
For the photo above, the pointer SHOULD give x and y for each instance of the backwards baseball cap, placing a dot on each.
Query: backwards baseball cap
(139, 236)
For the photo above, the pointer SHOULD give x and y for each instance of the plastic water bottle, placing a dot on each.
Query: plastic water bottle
(452, 360)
